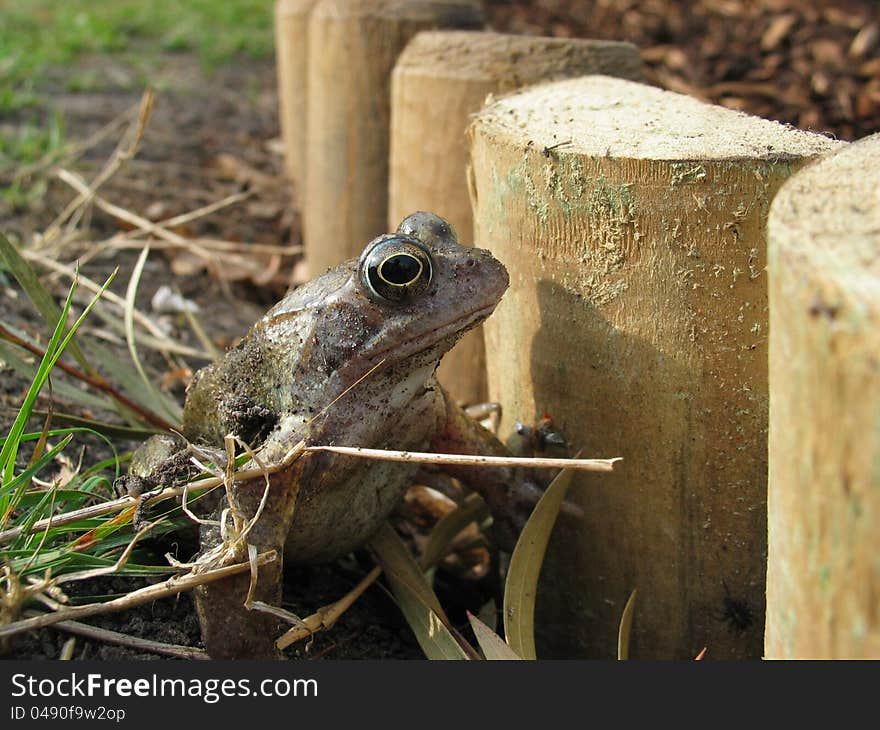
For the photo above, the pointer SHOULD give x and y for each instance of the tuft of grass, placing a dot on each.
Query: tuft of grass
(25, 145)
(39, 479)
(34, 564)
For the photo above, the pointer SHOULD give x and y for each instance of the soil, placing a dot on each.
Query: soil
(815, 65)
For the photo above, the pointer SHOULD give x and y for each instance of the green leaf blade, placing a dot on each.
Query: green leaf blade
(416, 598)
(525, 568)
(623, 634)
(492, 645)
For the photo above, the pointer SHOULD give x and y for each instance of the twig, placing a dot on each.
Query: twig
(210, 245)
(95, 382)
(109, 296)
(133, 642)
(325, 617)
(420, 457)
(170, 587)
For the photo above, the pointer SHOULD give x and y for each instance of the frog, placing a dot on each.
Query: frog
(347, 359)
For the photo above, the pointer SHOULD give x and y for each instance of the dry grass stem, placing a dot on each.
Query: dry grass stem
(325, 617)
(297, 450)
(420, 457)
(73, 151)
(109, 296)
(120, 156)
(170, 587)
(68, 649)
(212, 246)
(206, 250)
(132, 642)
(121, 214)
(118, 565)
(205, 210)
(196, 326)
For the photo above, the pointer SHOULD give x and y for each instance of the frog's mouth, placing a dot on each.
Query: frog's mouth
(431, 339)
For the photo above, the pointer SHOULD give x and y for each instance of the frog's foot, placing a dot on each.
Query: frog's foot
(511, 493)
(487, 414)
(229, 629)
(259, 517)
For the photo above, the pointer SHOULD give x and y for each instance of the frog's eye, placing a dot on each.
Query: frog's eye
(395, 268)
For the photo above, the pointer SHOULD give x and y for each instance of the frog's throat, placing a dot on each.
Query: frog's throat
(449, 331)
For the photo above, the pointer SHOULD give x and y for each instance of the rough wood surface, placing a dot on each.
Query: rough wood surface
(291, 48)
(823, 573)
(439, 82)
(353, 45)
(632, 222)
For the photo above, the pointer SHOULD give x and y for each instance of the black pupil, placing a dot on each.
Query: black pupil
(400, 269)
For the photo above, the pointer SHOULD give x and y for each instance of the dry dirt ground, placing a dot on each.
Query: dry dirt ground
(815, 65)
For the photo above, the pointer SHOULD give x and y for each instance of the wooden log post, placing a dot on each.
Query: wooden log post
(440, 81)
(823, 572)
(291, 50)
(632, 222)
(353, 45)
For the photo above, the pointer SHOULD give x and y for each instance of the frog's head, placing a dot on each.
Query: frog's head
(425, 288)
(397, 308)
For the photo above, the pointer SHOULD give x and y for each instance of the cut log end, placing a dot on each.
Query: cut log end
(600, 115)
(827, 221)
(510, 62)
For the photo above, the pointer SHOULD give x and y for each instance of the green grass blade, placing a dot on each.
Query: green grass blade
(19, 482)
(525, 568)
(492, 645)
(62, 388)
(416, 599)
(10, 446)
(474, 509)
(108, 430)
(57, 344)
(27, 278)
(623, 633)
(123, 373)
(131, 337)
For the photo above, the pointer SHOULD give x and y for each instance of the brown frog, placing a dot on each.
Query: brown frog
(348, 360)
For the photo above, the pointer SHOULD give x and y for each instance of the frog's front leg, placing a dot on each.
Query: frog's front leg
(229, 629)
(508, 491)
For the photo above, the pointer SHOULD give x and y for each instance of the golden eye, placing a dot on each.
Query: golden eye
(395, 268)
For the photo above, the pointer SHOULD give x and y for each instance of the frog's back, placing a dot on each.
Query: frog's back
(246, 390)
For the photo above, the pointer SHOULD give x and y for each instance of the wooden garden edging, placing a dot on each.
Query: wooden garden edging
(441, 80)
(823, 575)
(353, 45)
(632, 221)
